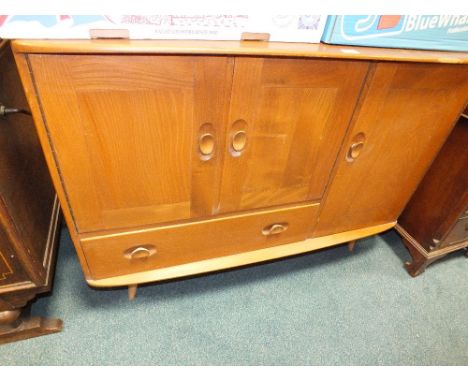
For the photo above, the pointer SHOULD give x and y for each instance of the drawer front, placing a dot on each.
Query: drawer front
(139, 251)
(458, 233)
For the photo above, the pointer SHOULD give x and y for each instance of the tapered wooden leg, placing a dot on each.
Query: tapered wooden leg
(13, 327)
(351, 245)
(132, 291)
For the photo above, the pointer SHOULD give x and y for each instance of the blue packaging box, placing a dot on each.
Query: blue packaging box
(431, 32)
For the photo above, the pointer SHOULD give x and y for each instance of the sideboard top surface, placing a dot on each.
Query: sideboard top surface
(242, 48)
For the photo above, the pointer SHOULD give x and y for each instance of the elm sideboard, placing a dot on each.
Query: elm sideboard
(174, 158)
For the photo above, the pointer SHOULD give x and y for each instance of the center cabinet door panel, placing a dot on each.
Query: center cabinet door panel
(406, 113)
(286, 122)
(128, 134)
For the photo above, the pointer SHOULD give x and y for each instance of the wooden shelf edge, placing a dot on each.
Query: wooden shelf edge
(241, 48)
(239, 259)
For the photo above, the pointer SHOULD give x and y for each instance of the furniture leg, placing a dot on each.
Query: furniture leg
(351, 245)
(419, 263)
(132, 291)
(14, 327)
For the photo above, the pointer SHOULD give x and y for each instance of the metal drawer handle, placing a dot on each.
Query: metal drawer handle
(140, 252)
(275, 229)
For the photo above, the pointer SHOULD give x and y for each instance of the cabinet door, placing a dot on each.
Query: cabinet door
(136, 139)
(287, 120)
(405, 116)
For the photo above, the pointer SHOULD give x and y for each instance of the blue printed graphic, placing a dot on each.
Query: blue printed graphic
(366, 26)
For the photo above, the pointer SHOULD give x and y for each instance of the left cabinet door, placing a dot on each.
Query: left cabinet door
(136, 139)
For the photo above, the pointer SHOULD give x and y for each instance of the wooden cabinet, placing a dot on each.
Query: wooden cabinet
(176, 158)
(435, 221)
(29, 213)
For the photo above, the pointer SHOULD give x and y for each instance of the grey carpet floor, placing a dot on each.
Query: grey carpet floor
(325, 308)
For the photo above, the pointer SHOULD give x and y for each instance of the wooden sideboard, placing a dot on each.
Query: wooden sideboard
(435, 221)
(29, 213)
(173, 158)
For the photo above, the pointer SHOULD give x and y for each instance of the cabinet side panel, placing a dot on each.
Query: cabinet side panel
(31, 95)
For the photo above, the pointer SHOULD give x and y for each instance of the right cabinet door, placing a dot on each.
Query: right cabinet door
(405, 114)
(287, 120)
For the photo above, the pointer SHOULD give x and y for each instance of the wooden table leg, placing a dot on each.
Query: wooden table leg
(132, 291)
(351, 245)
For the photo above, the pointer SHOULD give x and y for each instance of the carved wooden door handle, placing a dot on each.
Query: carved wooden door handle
(275, 229)
(140, 252)
(238, 134)
(239, 141)
(206, 144)
(356, 147)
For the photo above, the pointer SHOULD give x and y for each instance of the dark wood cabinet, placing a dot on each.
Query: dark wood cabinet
(435, 221)
(29, 213)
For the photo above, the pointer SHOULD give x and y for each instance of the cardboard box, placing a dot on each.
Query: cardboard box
(432, 32)
(297, 28)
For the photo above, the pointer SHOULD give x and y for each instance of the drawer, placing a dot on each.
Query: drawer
(161, 247)
(458, 233)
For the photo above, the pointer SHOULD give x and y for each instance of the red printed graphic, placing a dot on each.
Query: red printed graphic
(3, 19)
(388, 21)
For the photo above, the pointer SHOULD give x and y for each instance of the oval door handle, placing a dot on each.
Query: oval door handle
(356, 147)
(206, 144)
(239, 141)
(275, 229)
(238, 134)
(355, 150)
(140, 252)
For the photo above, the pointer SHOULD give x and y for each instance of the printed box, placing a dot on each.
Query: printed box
(293, 28)
(432, 32)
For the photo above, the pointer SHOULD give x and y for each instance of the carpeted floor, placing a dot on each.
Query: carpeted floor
(327, 308)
